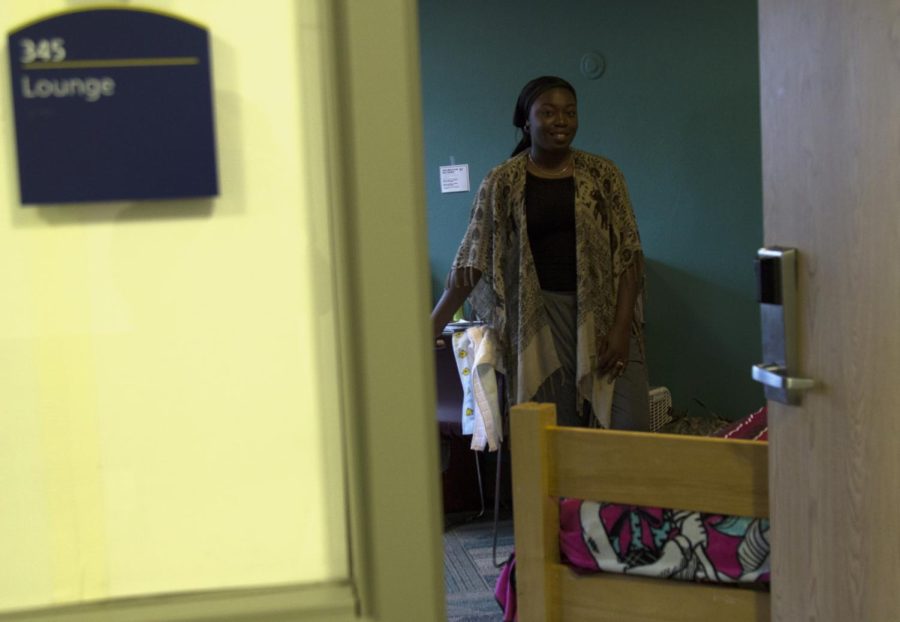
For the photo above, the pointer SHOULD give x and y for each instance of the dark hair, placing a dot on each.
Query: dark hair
(531, 92)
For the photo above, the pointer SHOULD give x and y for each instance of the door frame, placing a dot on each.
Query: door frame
(373, 150)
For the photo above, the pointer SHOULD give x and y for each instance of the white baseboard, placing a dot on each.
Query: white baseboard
(332, 602)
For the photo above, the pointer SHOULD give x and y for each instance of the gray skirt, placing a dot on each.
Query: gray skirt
(631, 403)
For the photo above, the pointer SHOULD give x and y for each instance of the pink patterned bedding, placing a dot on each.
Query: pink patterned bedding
(656, 542)
(660, 542)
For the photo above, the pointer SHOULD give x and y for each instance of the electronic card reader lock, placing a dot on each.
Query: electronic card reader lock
(776, 278)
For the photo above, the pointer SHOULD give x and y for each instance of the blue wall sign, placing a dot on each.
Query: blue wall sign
(112, 104)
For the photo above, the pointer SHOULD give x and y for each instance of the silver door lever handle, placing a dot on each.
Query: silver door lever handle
(776, 377)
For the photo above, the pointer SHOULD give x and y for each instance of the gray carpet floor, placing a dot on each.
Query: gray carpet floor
(469, 571)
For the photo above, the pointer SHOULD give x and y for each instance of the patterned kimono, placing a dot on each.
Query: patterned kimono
(508, 296)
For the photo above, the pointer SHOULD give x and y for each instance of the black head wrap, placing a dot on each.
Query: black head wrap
(531, 92)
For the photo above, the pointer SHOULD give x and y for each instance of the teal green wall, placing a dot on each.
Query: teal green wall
(677, 108)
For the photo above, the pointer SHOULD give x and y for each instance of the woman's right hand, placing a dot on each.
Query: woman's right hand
(450, 301)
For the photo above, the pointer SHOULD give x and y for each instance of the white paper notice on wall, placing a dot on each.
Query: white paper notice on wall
(455, 178)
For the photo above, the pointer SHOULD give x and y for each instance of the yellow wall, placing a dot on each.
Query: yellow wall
(168, 400)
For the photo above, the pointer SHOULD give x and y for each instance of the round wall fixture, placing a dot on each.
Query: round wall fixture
(592, 65)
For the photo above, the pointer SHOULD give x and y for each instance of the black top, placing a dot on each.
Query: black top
(550, 213)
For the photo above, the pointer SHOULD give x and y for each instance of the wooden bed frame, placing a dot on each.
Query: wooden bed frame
(715, 475)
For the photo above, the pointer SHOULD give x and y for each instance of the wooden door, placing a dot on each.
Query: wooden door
(830, 107)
